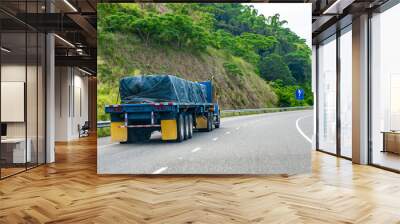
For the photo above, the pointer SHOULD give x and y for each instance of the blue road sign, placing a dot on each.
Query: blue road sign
(299, 94)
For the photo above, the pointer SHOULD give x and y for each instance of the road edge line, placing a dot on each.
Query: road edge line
(162, 169)
(301, 131)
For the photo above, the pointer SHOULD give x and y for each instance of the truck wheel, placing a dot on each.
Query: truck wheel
(190, 119)
(187, 128)
(209, 122)
(217, 125)
(181, 128)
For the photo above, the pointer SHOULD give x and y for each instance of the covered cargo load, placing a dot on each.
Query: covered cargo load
(161, 88)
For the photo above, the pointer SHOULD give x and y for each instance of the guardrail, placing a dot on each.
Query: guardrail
(268, 109)
(105, 124)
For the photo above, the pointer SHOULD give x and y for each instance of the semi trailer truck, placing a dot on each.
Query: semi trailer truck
(165, 103)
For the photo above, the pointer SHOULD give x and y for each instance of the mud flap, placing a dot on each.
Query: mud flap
(118, 133)
(201, 122)
(169, 130)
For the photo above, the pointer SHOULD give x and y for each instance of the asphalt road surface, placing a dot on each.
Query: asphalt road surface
(272, 143)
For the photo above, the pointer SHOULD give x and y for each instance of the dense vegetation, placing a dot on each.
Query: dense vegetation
(254, 60)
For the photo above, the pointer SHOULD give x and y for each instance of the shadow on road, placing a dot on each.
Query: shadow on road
(155, 138)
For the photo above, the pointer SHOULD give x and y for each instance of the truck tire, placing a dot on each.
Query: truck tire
(217, 125)
(138, 135)
(181, 128)
(190, 125)
(209, 122)
(187, 128)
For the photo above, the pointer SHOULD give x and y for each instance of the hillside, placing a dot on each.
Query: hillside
(238, 88)
(200, 42)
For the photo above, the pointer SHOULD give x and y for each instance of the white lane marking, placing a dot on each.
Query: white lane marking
(108, 145)
(162, 169)
(237, 128)
(299, 129)
(215, 139)
(228, 132)
(196, 149)
(180, 157)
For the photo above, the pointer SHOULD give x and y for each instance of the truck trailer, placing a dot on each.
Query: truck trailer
(164, 103)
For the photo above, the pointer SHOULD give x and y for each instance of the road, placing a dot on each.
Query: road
(272, 143)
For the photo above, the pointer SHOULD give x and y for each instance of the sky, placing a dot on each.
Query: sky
(298, 16)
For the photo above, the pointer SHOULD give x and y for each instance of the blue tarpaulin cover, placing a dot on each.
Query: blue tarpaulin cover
(160, 88)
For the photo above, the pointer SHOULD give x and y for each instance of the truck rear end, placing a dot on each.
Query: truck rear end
(136, 121)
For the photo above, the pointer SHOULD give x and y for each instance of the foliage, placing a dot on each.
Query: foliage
(273, 67)
(169, 28)
(103, 132)
(234, 33)
(250, 46)
(287, 94)
(299, 63)
(232, 69)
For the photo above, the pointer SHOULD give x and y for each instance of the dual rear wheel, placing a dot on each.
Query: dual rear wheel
(185, 127)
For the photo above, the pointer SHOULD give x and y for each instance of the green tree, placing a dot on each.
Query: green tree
(147, 27)
(273, 67)
(261, 44)
(275, 23)
(299, 65)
